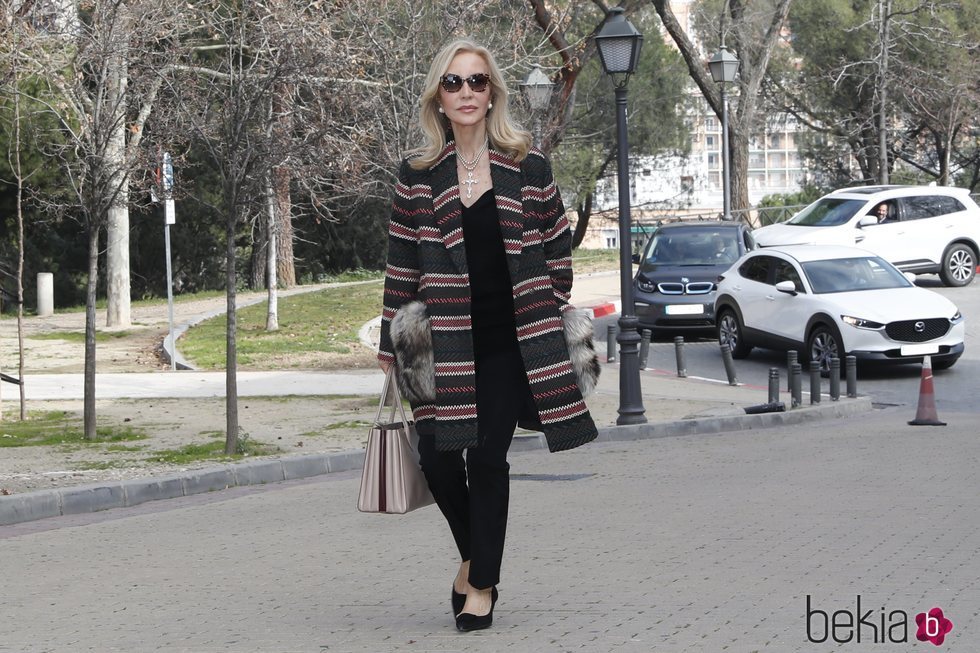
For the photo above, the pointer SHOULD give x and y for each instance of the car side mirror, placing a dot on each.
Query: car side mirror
(636, 258)
(867, 221)
(787, 287)
(910, 276)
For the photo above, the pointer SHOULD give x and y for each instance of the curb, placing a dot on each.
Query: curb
(41, 504)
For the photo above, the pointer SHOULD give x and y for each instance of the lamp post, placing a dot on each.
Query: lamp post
(723, 66)
(537, 89)
(619, 44)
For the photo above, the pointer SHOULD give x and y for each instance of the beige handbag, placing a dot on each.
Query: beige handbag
(392, 481)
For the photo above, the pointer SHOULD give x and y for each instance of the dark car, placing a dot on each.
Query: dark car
(675, 285)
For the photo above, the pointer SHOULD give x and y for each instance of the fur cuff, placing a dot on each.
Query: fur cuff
(411, 337)
(581, 349)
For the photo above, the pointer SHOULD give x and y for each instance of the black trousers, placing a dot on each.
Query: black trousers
(473, 495)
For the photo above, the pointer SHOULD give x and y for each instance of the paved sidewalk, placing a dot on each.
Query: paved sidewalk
(697, 544)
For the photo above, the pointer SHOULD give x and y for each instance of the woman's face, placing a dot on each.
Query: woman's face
(466, 107)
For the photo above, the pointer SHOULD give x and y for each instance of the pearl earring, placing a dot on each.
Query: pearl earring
(489, 105)
(441, 110)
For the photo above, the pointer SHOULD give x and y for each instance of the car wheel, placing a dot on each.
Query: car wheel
(823, 344)
(730, 333)
(959, 266)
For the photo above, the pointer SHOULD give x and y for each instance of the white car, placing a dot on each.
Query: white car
(922, 229)
(827, 301)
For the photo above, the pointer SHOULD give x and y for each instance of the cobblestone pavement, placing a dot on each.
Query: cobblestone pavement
(700, 543)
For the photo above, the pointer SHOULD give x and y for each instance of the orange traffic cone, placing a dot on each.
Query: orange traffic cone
(925, 414)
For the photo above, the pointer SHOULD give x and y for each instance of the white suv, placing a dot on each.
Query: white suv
(920, 229)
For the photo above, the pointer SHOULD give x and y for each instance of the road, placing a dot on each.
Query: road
(897, 385)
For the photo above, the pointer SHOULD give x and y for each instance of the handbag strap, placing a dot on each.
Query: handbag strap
(396, 403)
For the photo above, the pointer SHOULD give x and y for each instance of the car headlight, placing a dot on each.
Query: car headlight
(646, 286)
(861, 323)
(958, 317)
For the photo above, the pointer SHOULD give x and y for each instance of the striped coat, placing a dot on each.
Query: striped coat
(427, 262)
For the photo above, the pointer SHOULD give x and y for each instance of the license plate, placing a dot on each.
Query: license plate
(919, 350)
(684, 309)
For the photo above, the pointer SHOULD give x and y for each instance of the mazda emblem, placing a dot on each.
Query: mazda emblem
(919, 326)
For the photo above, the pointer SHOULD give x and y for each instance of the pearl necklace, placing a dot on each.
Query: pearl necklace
(470, 166)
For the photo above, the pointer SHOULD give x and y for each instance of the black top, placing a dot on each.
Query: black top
(490, 285)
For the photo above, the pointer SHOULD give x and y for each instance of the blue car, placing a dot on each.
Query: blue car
(675, 285)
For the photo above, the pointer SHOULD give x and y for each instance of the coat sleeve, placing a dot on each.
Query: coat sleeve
(402, 269)
(557, 237)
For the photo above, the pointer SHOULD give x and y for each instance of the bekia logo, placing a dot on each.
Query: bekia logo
(885, 627)
(933, 626)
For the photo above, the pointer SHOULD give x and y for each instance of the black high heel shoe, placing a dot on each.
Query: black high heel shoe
(466, 622)
(458, 600)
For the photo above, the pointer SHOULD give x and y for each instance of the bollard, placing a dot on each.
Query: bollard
(791, 357)
(834, 379)
(796, 385)
(814, 384)
(726, 356)
(645, 347)
(773, 385)
(850, 372)
(679, 353)
(611, 344)
(45, 294)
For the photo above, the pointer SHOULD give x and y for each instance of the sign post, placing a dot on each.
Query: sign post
(166, 177)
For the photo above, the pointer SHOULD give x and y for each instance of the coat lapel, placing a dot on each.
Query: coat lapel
(446, 205)
(507, 183)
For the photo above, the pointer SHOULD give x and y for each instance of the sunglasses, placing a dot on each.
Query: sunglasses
(452, 83)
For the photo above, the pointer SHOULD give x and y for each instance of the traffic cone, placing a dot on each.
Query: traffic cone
(925, 414)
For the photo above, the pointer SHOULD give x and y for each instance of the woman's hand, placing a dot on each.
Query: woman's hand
(384, 366)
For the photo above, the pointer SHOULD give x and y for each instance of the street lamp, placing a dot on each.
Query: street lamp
(537, 89)
(619, 44)
(723, 66)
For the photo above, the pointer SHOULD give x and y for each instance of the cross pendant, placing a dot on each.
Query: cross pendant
(469, 181)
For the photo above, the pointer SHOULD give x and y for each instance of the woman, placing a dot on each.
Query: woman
(476, 296)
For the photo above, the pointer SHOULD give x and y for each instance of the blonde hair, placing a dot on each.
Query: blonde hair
(504, 134)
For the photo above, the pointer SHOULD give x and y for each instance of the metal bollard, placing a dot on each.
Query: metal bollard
(834, 379)
(791, 357)
(679, 353)
(611, 344)
(814, 384)
(726, 356)
(796, 385)
(850, 372)
(645, 336)
(773, 385)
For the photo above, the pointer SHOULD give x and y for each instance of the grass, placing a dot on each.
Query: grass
(323, 321)
(58, 428)
(79, 336)
(213, 451)
(594, 260)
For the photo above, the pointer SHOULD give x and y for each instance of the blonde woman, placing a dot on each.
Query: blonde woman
(476, 314)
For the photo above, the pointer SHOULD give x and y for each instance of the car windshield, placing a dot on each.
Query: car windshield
(693, 246)
(827, 212)
(851, 274)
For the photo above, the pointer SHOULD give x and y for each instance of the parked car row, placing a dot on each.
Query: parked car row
(829, 282)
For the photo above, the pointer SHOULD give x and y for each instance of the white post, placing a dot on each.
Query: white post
(45, 294)
(169, 218)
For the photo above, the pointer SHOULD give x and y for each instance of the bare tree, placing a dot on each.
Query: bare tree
(752, 31)
(81, 67)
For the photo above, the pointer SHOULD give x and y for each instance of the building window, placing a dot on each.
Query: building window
(711, 123)
(709, 141)
(611, 242)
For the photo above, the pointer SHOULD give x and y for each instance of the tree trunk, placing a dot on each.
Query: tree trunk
(20, 253)
(884, 11)
(738, 153)
(584, 212)
(285, 259)
(89, 376)
(258, 263)
(272, 315)
(117, 234)
(231, 355)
